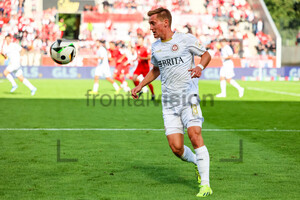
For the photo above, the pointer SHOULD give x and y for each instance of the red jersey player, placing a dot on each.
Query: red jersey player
(119, 59)
(143, 67)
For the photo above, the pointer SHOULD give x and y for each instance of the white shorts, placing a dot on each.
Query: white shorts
(227, 70)
(16, 69)
(190, 115)
(103, 71)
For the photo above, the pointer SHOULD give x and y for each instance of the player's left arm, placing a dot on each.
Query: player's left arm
(151, 76)
(121, 59)
(145, 58)
(148, 57)
(196, 49)
(197, 71)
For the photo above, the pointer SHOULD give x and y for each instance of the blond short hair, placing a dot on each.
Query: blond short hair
(162, 13)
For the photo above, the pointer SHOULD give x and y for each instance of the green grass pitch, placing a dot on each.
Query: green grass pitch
(138, 164)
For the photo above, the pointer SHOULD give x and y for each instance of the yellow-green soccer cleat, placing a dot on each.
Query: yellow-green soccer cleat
(198, 177)
(118, 90)
(92, 92)
(205, 191)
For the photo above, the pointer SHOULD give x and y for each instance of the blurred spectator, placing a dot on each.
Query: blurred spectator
(260, 25)
(45, 44)
(1, 21)
(261, 49)
(272, 48)
(88, 8)
(298, 38)
(90, 30)
(229, 19)
(62, 27)
(105, 7)
(37, 46)
(21, 6)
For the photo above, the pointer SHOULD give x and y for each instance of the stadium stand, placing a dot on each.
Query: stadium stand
(209, 20)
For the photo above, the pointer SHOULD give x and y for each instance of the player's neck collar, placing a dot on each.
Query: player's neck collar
(169, 39)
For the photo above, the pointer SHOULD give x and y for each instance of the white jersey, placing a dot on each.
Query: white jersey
(12, 51)
(101, 52)
(174, 58)
(227, 69)
(226, 51)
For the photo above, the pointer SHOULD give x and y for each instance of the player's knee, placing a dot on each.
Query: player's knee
(195, 137)
(177, 149)
(21, 78)
(6, 72)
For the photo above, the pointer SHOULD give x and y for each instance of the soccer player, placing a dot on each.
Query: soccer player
(143, 65)
(103, 67)
(173, 59)
(11, 51)
(119, 59)
(226, 72)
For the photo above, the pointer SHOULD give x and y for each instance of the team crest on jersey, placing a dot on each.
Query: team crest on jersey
(175, 47)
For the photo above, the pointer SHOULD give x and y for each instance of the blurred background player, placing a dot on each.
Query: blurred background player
(226, 72)
(118, 59)
(11, 51)
(143, 56)
(103, 67)
(127, 61)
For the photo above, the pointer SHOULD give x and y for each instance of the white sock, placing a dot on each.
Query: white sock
(235, 84)
(96, 86)
(28, 84)
(140, 78)
(11, 80)
(188, 155)
(116, 86)
(203, 164)
(223, 86)
(124, 84)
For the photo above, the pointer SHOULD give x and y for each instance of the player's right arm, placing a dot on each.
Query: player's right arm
(151, 76)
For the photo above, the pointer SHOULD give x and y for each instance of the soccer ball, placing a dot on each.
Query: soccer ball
(62, 52)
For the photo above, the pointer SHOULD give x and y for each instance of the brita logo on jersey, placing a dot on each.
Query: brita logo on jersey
(170, 62)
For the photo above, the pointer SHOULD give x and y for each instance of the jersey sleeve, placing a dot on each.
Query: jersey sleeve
(194, 46)
(101, 53)
(153, 59)
(229, 50)
(148, 52)
(19, 47)
(4, 51)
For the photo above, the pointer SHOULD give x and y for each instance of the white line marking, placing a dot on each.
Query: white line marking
(142, 129)
(274, 91)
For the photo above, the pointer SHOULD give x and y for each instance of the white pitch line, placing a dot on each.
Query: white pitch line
(143, 129)
(274, 91)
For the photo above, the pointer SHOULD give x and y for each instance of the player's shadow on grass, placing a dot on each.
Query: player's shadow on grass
(12, 93)
(169, 174)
